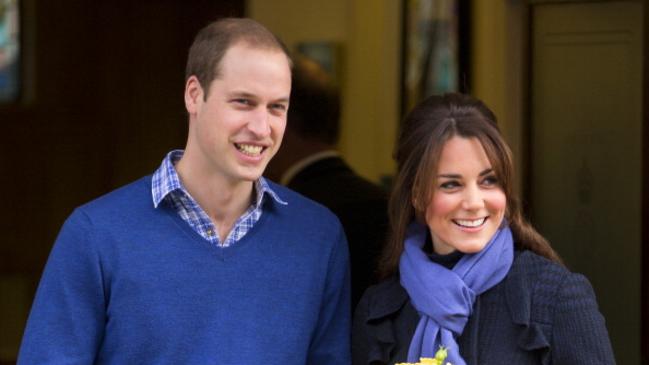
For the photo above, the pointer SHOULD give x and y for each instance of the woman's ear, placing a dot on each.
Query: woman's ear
(419, 213)
(420, 205)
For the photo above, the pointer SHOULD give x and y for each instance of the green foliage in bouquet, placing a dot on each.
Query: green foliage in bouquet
(439, 358)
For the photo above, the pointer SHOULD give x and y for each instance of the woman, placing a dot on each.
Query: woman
(463, 269)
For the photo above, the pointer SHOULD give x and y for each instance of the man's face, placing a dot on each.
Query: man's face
(237, 130)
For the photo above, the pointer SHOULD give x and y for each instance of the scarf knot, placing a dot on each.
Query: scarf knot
(444, 298)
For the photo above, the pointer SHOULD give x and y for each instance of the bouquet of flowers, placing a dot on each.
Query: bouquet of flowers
(439, 358)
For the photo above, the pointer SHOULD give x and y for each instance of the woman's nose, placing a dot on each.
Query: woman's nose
(473, 198)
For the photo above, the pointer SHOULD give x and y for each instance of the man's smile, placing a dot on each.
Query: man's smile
(250, 149)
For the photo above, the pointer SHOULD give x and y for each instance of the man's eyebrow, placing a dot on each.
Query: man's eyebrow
(245, 94)
(242, 94)
(283, 100)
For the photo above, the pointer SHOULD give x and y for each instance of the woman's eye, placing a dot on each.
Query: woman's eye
(449, 185)
(490, 181)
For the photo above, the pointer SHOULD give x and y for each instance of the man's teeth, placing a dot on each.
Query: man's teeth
(249, 149)
(470, 223)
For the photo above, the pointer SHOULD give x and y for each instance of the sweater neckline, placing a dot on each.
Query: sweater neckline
(222, 253)
(446, 260)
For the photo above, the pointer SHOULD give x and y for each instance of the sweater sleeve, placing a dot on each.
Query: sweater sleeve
(579, 331)
(66, 322)
(331, 341)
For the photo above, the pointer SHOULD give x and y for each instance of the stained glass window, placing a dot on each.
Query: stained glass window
(9, 50)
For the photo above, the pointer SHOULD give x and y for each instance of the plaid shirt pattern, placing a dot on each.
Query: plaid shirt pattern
(167, 186)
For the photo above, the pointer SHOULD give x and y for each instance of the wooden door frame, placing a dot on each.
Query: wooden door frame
(527, 157)
(644, 279)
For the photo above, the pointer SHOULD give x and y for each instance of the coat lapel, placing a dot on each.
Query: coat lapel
(469, 339)
(380, 320)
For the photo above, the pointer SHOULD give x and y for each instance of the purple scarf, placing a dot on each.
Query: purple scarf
(444, 298)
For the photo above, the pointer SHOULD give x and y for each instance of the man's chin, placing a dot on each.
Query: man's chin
(252, 175)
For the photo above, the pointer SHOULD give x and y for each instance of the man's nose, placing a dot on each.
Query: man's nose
(259, 123)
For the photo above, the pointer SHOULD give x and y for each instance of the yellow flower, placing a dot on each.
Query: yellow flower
(424, 361)
(441, 354)
(429, 361)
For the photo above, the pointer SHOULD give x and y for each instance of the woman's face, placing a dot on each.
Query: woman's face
(468, 203)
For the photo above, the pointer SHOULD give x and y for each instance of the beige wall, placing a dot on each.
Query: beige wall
(369, 34)
(303, 20)
(498, 41)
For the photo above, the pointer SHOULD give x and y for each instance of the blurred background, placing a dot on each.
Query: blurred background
(91, 97)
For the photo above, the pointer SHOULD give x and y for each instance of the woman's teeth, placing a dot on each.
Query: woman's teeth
(470, 223)
(249, 149)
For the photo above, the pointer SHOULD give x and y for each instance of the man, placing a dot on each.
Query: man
(309, 164)
(204, 262)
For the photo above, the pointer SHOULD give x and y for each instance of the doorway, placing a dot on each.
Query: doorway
(586, 109)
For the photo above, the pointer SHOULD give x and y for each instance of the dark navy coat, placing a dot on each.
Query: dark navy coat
(361, 207)
(541, 313)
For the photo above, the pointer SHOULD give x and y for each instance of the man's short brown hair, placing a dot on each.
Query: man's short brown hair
(213, 41)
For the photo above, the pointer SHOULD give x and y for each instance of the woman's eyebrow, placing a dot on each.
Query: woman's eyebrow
(450, 176)
(458, 176)
(486, 172)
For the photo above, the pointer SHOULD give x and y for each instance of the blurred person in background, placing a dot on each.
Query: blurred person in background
(309, 163)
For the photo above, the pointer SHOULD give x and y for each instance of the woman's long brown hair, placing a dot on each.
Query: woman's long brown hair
(423, 135)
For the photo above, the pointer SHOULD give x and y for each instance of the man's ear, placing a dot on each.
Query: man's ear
(193, 94)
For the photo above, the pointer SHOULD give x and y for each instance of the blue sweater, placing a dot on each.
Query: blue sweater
(130, 284)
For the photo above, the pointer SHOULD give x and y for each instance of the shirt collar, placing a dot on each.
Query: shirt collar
(262, 187)
(165, 181)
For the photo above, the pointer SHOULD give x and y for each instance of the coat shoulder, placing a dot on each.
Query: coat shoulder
(535, 282)
(383, 299)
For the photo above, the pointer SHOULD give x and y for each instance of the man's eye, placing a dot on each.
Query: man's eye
(242, 101)
(277, 109)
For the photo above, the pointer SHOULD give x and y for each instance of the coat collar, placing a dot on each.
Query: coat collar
(389, 297)
(392, 297)
(518, 293)
(521, 293)
(386, 299)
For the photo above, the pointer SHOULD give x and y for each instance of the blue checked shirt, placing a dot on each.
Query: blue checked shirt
(167, 186)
